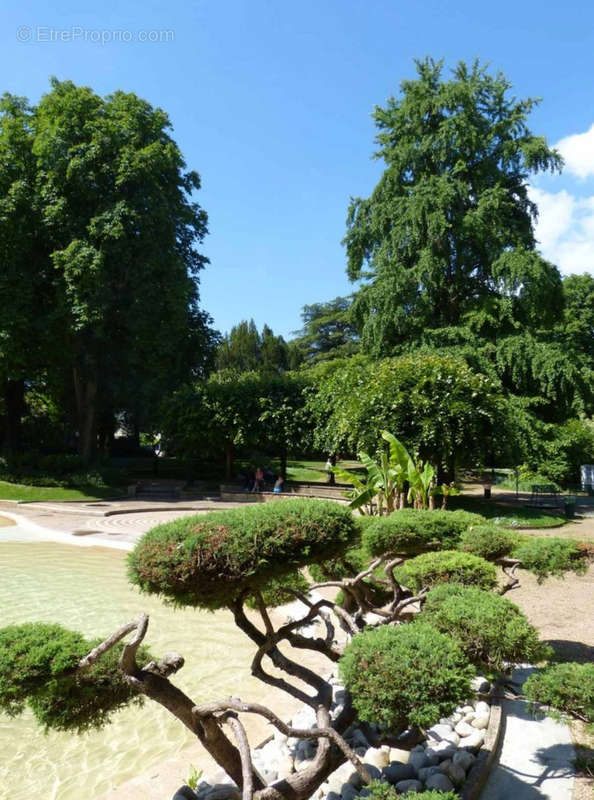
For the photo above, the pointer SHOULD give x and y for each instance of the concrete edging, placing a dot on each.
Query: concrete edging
(479, 772)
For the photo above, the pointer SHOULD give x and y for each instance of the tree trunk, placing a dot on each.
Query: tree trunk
(283, 463)
(14, 399)
(85, 390)
(228, 461)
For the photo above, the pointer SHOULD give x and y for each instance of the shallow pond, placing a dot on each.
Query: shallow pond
(86, 589)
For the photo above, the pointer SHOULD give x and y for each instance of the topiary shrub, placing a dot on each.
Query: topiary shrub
(488, 541)
(405, 675)
(346, 565)
(38, 668)
(566, 687)
(207, 561)
(410, 531)
(446, 566)
(491, 631)
(545, 556)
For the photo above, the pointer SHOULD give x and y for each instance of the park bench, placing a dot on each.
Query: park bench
(543, 495)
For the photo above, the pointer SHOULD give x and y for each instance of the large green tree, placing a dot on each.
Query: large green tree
(121, 227)
(25, 272)
(328, 332)
(245, 349)
(446, 238)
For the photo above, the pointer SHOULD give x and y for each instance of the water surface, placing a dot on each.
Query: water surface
(86, 589)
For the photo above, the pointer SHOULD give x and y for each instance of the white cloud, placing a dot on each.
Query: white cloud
(565, 229)
(578, 152)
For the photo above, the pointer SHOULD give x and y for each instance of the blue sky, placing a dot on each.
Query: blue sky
(271, 103)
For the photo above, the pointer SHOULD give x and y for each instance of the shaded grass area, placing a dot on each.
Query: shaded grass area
(32, 494)
(517, 517)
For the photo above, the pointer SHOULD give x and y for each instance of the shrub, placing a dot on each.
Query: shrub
(346, 565)
(209, 560)
(412, 530)
(405, 675)
(550, 556)
(381, 790)
(491, 631)
(38, 668)
(566, 687)
(273, 593)
(446, 566)
(488, 541)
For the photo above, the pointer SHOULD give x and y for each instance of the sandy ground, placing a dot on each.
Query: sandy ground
(563, 612)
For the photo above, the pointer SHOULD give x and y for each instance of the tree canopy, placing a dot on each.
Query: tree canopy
(111, 250)
(448, 230)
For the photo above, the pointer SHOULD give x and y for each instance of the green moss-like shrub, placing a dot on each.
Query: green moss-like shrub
(38, 668)
(346, 565)
(566, 687)
(446, 566)
(382, 790)
(209, 560)
(411, 531)
(545, 556)
(488, 541)
(274, 594)
(491, 631)
(405, 675)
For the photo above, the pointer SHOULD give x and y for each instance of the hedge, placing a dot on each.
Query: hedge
(446, 566)
(405, 675)
(491, 631)
(208, 561)
(566, 687)
(412, 530)
(38, 668)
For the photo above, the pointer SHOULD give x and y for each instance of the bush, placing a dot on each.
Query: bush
(274, 594)
(405, 675)
(209, 560)
(491, 631)
(446, 566)
(347, 565)
(545, 556)
(488, 541)
(409, 530)
(566, 687)
(381, 790)
(38, 668)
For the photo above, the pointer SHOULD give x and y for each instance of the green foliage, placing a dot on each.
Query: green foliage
(446, 237)
(446, 566)
(209, 560)
(566, 687)
(244, 349)
(491, 631)
(345, 565)
(442, 409)
(274, 594)
(546, 556)
(237, 412)
(382, 790)
(405, 675)
(328, 331)
(488, 541)
(38, 669)
(411, 530)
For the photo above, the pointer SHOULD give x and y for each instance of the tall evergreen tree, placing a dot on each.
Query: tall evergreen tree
(448, 230)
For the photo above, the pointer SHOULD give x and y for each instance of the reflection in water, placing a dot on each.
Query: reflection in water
(86, 589)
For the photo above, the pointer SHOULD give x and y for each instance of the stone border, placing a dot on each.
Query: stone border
(479, 772)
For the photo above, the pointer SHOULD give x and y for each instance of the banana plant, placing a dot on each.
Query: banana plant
(446, 490)
(421, 481)
(383, 489)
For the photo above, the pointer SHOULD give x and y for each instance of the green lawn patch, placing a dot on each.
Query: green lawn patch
(32, 494)
(517, 517)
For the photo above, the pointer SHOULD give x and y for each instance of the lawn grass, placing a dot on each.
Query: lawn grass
(32, 494)
(517, 517)
(314, 471)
